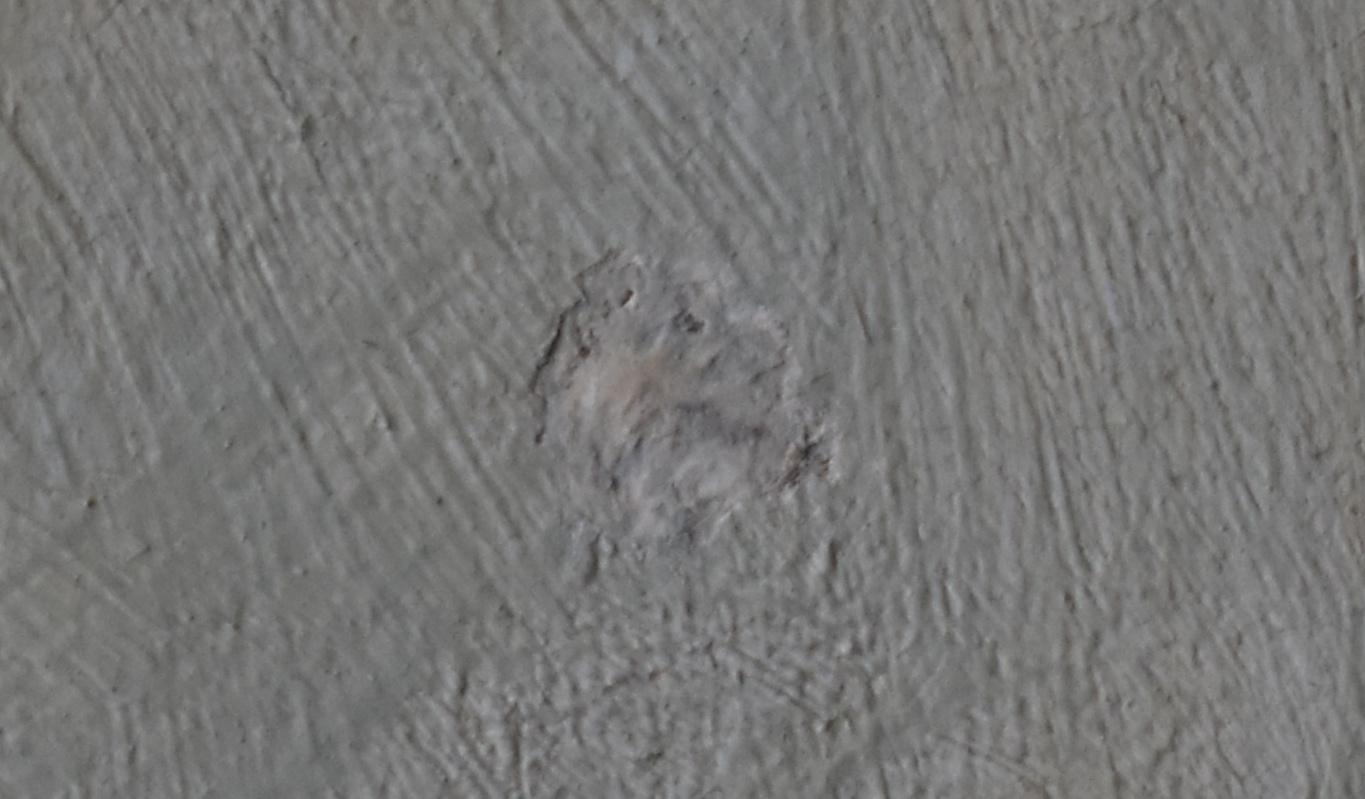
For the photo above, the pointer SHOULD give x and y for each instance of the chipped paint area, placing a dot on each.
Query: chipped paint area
(673, 389)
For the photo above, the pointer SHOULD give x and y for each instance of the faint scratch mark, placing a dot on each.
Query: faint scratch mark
(1019, 771)
(306, 125)
(46, 178)
(106, 16)
(862, 319)
(1357, 292)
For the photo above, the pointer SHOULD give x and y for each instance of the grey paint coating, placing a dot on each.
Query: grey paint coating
(1016, 450)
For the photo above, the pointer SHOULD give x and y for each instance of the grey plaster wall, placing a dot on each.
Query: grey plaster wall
(607, 398)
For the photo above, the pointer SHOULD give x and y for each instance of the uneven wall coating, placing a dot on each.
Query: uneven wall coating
(697, 399)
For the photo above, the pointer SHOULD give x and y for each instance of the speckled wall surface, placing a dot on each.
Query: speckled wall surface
(611, 398)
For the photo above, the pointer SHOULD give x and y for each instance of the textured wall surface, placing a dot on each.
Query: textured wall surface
(603, 398)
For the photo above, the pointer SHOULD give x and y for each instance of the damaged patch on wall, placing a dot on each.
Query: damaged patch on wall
(670, 394)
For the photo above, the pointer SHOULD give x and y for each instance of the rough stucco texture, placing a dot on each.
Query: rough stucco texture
(611, 398)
